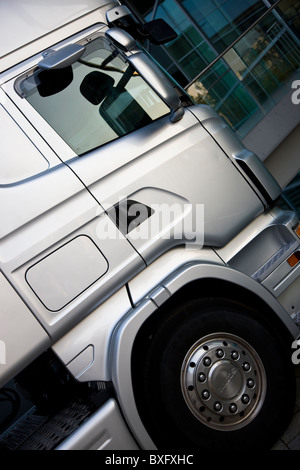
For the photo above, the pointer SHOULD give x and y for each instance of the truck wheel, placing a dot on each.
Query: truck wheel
(216, 376)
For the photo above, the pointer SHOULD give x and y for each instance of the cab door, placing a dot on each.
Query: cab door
(58, 248)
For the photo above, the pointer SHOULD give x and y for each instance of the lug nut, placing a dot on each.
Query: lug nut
(245, 399)
(207, 361)
(205, 394)
(246, 366)
(250, 383)
(219, 353)
(233, 408)
(235, 355)
(217, 406)
(201, 377)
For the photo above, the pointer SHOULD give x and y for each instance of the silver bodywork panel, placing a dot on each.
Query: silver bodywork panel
(112, 333)
(75, 279)
(155, 166)
(162, 160)
(262, 182)
(38, 26)
(22, 337)
(155, 284)
(126, 331)
(105, 430)
(16, 166)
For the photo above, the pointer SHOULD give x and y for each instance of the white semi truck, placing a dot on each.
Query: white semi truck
(149, 279)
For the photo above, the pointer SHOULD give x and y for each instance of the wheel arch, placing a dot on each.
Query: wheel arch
(207, 288)
(217, 288)
(191, 281)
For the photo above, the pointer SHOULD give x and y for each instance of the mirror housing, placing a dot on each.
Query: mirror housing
(148, 69)
(158, 32)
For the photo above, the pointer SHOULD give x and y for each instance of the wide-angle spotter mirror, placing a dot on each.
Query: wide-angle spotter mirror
(157, 31)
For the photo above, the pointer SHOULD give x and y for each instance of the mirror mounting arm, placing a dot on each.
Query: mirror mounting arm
(157, 80)
(177, 114)
(150, 72)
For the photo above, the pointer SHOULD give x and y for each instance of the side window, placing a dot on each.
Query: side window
(94, 101)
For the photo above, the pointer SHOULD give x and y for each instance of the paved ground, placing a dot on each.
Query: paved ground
(291, 437)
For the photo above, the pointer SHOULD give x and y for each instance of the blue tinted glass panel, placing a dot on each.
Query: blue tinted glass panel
(199, 9)
(214, 23)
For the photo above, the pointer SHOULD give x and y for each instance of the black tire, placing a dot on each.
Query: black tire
(205, 397)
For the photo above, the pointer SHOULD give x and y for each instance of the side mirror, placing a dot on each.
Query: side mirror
(147, 68)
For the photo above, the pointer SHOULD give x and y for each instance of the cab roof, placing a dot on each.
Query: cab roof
(23, 23)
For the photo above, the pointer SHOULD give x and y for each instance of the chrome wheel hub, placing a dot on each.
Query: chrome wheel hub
(223, 381)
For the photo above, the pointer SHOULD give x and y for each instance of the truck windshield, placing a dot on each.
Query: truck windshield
(94, 101)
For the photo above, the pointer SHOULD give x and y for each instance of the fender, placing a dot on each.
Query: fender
(100, 347)
(126, 331)
(87, 349)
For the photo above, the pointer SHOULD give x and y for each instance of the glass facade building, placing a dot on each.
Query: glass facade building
(235, 55)
(238, 56)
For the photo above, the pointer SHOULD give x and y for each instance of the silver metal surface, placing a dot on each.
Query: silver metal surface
(16, 166)
(121, 364)
(104, 430)
(60, 268)
(165, 161)
(260, 179)
(122, 40)
(179, 268)
(117, 13)
(260, 241)
(182, 266)
(28, 29)
(223, 381)
(21, 336)
(290, 298)
(66, 56)
(258, 170)
(94, 331)
(158, 282)
(158, 81)
(71, 279)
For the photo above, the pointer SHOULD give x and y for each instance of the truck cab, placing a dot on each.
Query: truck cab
(149, 277)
